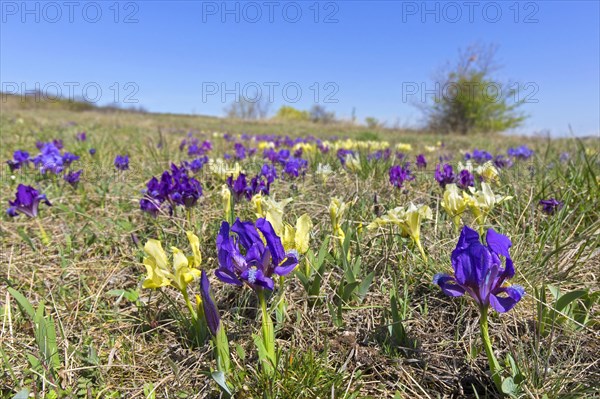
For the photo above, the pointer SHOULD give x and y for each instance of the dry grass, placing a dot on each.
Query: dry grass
(110, 347)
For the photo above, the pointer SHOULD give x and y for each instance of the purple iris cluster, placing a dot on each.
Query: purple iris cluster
(342, 153)
(27, 201)
(51, 159)
(292, 166)
(122, 162)
(478, 271)
(197, 164)
(522, 152)
(175, 187)
(551, 206)
(502, 162)
(194, 146)
(241, 188)
(400, 174)
(81, 136)
(275, 156)
(465, 179)
(479, 156)
(246, 258)
(380, 155)
(20, 158)
(295, 167)
(444, 175)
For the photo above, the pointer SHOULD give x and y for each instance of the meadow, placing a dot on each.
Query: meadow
(92, 309)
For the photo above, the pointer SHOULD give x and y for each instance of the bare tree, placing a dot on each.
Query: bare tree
(248, 109)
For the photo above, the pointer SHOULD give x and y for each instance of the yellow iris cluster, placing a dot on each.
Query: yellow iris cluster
(178, 273)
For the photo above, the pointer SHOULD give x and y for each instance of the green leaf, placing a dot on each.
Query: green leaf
(348, 290)
(240, 352)
(24, 304)
(22, 394)
(508, 386)
(564, 300)
(364, 286)
(26, 238)
(219, 378)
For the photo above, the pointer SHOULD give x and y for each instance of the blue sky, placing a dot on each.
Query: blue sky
(195, 57)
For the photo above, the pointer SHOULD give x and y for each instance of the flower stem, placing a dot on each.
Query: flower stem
(189, 305)
(418, 243)
(44, 236)
(487, 344)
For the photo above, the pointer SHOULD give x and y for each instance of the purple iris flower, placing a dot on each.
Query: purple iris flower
(241, 189)
(240, 151)
(20, 158)
(551, 206)
(421, 162)
(479, 156)
(521, 152)
(27, 201)
(269, 172)
(322, 147)
(295, 167)
(197, 164)
(81, 136)
(564, 157)
(400, 174)
(478, 271)
(69, 158)
(465, 179)
(184, 190)
(342, 153)
(150, 205)
(501, 162)
(238, 187)
(254, 263)
(92, 151)
(211, 313)
(122, 162)
(50, 159)
(174, 187)
(73, 178)
(380, 155)
(444, 175)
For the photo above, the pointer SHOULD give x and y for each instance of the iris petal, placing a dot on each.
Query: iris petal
(246, 232)
(287, 265)
(210, 309)
(273, 241)
(448, 285)
(503, 304)
(227, 276)
(498, 243)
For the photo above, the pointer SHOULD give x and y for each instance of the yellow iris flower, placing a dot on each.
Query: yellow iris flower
(488, 172)
(226, 201)
(297, 238)
(482, 202)
(337, 212)
(455, 203)
(183, 271)
(268, 208)
(409, 220)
